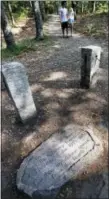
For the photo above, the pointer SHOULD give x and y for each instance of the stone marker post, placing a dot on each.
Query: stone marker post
(90, 64)
(15, 78)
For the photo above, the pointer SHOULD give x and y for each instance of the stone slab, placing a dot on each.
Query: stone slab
(62, 157)
(91, 56)
(15, 77)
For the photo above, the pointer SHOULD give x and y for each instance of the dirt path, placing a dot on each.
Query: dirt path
(54, 75)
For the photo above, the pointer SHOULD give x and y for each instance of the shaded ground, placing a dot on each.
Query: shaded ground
(54, 75)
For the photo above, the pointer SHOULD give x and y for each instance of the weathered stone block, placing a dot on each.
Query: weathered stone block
(62, 157)
(90, 64)
(14, 75)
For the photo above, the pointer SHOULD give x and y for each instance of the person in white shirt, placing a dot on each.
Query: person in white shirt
(63, 13)
(71, 16)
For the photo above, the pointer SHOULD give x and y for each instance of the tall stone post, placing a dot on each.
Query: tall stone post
(90, 64)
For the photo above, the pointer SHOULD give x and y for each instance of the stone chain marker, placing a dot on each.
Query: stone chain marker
(62, 157)
(16, 81)
(90, 64)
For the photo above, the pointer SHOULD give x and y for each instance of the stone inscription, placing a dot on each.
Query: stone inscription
(53, 162)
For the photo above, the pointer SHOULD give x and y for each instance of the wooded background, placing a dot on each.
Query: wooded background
(11, 11)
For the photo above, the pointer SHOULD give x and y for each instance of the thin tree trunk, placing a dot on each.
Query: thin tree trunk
(38, 19)
(94, 6)
(8, 36)
(10, 13)
(82, 7)
(30, 4)
(42, 9)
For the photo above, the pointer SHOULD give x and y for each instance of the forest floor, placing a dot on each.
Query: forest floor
(54, 75)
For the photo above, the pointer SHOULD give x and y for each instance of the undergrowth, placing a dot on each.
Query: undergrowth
(93, 25)
(25, 45)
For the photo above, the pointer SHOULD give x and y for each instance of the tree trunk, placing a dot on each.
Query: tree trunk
(94, 6)
(10, 13)
(8, 36)
(42, 9)
(82, 7)
(38, 19)
(30, 4)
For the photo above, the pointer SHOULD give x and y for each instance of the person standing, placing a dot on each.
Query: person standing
(63, 13)
(71, 16)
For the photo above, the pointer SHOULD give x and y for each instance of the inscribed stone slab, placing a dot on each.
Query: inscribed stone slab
(16, 80)
(62, 157)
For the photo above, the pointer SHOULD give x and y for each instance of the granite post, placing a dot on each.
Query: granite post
(90, 64)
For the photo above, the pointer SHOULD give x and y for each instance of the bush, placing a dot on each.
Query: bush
(102, 7)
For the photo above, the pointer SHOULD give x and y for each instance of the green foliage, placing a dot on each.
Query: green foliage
(102, 7)
(68, 4)
(20, 47)
(88, 6)
(21, 14)
(51, 6)
(19, 5)
(20, 9)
